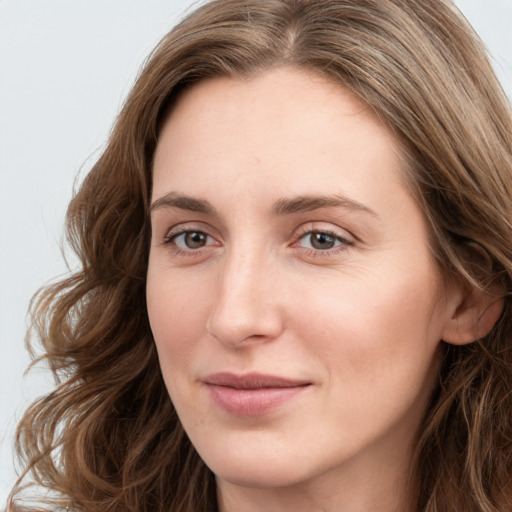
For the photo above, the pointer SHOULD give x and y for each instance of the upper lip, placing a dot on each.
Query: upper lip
(252, 381)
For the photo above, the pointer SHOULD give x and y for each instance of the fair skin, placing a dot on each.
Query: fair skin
(285, 243)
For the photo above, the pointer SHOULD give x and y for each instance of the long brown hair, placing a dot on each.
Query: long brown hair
(108, 438)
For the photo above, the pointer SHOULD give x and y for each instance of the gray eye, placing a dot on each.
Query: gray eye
(191, 240)
(195, 239)
(322, 241)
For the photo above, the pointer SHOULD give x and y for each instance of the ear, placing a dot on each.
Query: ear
(475, 313)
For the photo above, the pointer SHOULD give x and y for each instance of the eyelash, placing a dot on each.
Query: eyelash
(170, 238)
(344, 243)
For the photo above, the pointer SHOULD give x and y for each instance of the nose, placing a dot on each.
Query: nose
(245, 307)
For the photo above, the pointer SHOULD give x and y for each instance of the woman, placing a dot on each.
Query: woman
(296, 257)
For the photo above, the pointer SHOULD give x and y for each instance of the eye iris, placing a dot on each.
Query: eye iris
(322, 241)
(195, 239)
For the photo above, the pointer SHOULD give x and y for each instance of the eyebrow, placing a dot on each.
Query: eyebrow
(174, 200)
(309, 203)
(283, 206)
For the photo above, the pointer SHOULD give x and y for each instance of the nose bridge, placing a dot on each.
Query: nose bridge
(244, 308)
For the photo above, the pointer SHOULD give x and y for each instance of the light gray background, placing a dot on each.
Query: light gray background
(65, 67)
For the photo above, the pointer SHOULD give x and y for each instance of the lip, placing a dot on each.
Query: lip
(252, 394)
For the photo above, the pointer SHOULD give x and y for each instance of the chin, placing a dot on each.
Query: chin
(258, 475)
(260, 467)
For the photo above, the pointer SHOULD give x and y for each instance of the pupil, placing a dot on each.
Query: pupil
(322, 241)
(195, 239)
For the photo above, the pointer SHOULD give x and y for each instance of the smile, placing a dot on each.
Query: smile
(251, 394)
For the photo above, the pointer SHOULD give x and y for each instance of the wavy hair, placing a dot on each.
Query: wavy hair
(108, 438)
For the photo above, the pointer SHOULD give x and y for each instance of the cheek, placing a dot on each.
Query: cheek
(381, 330)
(177, 314)
(379, 351)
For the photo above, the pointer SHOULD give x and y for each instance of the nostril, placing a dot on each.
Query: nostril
(244, 329)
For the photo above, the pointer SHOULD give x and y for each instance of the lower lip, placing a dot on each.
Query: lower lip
(252, 402)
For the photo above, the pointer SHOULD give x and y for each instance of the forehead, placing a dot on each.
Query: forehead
(288, 127)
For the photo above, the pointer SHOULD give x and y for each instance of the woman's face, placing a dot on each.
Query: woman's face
(294, 303)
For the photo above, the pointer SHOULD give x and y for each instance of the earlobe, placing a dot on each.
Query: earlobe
(474, 317)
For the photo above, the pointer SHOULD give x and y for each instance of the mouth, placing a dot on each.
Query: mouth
(252, 394)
